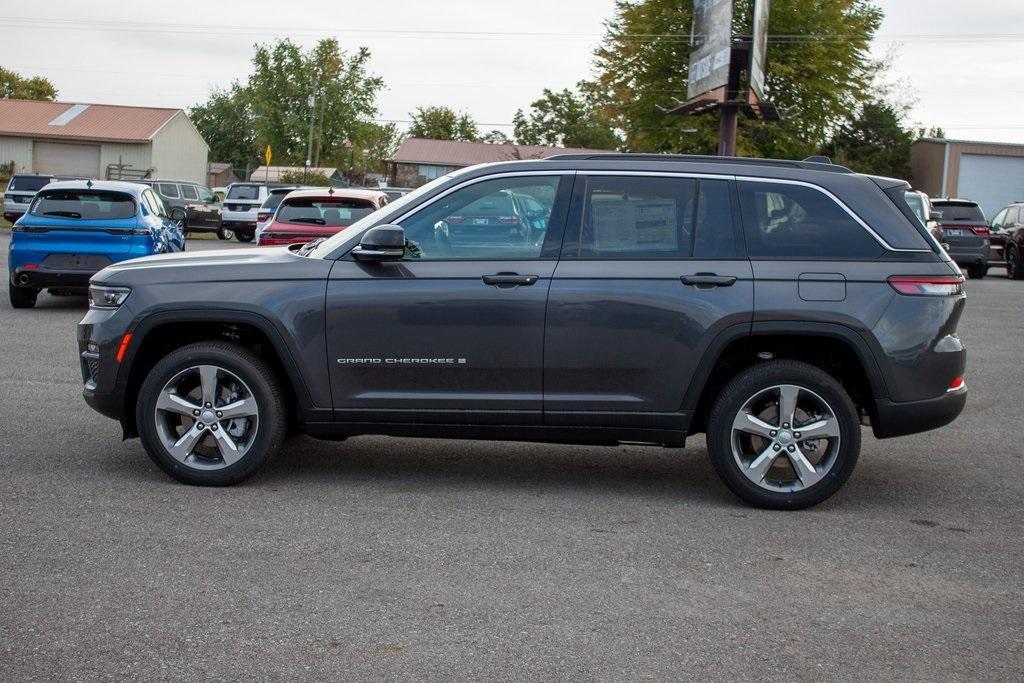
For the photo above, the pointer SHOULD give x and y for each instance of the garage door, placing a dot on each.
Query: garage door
(59, 158)
(991, 181)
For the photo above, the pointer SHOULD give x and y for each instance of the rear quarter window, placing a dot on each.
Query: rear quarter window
(83, 204)
(786, 221)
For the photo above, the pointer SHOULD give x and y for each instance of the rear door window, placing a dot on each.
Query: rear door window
(189, 192)
(639, 217)
(167, 189)
(786, 221)
(83, 204)
(244, 192)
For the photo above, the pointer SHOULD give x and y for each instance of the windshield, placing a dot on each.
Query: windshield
(30, 183)
(86, 205)
(244, 192)
(959, 211)
(394, 209)
(331, 212)
(918, 205)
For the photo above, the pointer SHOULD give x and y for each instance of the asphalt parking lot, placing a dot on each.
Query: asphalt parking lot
(384, 558)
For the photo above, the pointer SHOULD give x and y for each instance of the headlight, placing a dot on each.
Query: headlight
(107, 297)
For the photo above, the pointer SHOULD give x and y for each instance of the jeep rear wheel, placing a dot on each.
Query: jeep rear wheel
(22, 297)
(211, 413)
(783, 435)
(977, 271)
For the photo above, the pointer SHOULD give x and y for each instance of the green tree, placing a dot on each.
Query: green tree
(314, 178)
(565, 119)
(873, 142)
(226, 123)
(17, 87)
(289, 88)
(442, 123)
(496, 137)
(815, 77)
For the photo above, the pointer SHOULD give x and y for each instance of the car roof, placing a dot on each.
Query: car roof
(811, 163)
(341, 192)
(169, 180)
(134, 189)
(954, 200)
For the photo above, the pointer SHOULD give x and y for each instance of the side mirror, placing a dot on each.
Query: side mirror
(178, 215)
(382, 243)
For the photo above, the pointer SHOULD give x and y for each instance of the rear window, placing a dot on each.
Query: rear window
(273, 200)
(83, 204)
(244, 192)
(332, 213)
(31, 183)
(959, 211)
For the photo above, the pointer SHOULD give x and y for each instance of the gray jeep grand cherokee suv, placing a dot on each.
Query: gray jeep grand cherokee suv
(775, 306)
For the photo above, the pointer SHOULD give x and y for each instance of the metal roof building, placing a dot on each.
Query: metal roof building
(990, 173)
(419, 160)
(100, 141)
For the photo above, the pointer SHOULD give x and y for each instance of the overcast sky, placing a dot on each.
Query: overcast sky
(962, 61)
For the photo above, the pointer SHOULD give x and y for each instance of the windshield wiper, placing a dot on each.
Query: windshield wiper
(316, 221)
(310, 246)
(65, 214)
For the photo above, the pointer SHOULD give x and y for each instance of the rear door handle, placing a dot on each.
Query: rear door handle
(706, 280)
(510, 280)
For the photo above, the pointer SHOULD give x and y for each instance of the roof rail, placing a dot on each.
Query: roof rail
(812, 163)
(818, 159)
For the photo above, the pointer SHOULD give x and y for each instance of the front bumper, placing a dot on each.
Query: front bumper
(99, 336)
(910, 417)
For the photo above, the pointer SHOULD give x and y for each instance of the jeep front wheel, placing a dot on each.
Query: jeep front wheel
(783, 435)
(211, 413)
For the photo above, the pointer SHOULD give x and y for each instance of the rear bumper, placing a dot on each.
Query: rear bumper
(43, 279)
(969, 256)
(910, 417)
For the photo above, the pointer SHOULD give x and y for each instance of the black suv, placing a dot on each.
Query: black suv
(202, 210)
(775, 306)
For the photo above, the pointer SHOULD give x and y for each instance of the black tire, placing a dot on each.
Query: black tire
(259, 378)
(244, 236)
(1014, 267)
(977, 271)
(225, 233)
(22, 297)
(758, 378)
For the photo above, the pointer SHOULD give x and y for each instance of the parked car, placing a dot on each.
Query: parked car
(73, 229)
(270, 204)
(773, 305)
(202, 208)
(965, 231)
(241, 206)
(306, 215)
(21, 188)
(1008, 238)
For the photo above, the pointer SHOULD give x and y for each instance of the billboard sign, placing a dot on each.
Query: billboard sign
(759, 48)
(711, 46)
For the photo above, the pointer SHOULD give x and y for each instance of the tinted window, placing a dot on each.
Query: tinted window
(273, 200)
(204, 194)
(333, 213)
(167, 189)
(959, 211)
(793, 221)
(189, 192)
(244, 192)
(83, 204)
(489, 219)
(1013, 215)
(1000, 218)
(644, 217)
(30, 183)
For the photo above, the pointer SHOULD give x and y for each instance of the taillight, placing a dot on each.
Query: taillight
(981, 231)
(928, 285)
(30, 266)
(264, 216)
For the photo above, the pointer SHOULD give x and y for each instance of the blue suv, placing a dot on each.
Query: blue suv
(74, 229)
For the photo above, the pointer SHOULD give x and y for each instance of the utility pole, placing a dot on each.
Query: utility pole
(309, 146)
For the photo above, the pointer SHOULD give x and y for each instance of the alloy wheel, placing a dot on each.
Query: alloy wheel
(206, 417)
(785, 438)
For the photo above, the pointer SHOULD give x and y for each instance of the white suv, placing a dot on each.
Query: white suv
(241, 204)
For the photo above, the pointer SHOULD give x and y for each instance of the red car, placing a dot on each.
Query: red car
(305, 215)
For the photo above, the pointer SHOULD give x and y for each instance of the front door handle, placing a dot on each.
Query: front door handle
(706, 280)
(510, 280)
